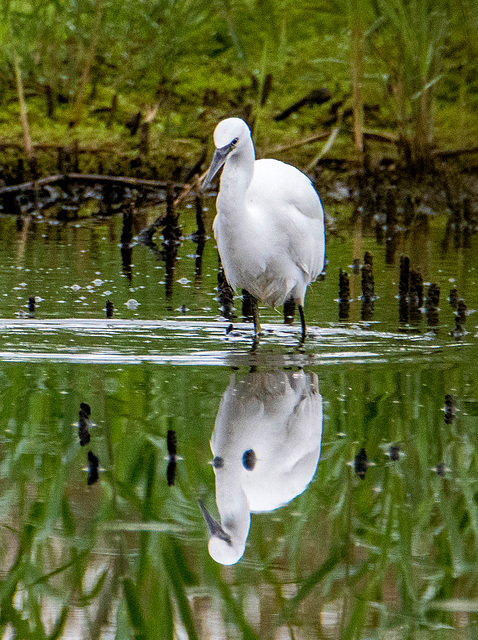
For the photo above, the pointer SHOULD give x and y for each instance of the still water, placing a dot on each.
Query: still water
(340, 477)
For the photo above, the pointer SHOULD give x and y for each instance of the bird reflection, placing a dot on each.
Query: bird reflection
(266, 446)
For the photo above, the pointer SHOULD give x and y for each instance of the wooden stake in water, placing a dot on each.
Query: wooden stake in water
(416, 288)
(289, 311)
(433, 299)
(344, 295)
(247, 306)
(225, 295)
(368, 287)
(415, 296)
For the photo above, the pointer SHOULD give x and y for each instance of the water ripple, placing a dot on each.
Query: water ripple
(199, 341)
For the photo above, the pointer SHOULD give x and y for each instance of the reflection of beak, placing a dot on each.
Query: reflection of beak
(214, 527)
(218, 160)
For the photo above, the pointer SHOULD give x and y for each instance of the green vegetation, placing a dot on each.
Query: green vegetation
(394, 554)
(79, 70)
(347, 559)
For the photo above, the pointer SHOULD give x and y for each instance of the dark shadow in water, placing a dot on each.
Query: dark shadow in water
(168, 253)
(127, 261)
(361, 463)
(450, 409)
(172, 461)
(126, 240)
(171, 254)
(200, 241)
(266, 446)
(93, 464)
(84, 424)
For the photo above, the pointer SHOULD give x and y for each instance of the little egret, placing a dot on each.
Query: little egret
(269, 226)
(266, 447)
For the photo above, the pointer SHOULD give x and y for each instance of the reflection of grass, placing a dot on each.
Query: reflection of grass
(383, 554)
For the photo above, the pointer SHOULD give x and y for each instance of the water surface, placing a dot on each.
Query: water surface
(381, 540)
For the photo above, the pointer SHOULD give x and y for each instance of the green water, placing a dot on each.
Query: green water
(393, 555)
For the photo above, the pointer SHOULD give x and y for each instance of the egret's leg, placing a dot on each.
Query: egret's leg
(302, 321)
(255, 316)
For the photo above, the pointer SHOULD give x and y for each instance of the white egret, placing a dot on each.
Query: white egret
(269, 225)
(266, 447)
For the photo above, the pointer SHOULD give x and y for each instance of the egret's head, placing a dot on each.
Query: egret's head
(230, 136)
(224, 552)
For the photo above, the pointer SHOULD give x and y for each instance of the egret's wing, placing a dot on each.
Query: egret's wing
(277, 185)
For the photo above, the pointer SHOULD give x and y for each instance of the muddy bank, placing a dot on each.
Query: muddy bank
(59, 183)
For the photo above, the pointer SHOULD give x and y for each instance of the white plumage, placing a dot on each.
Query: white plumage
(269, 226)
(266, 446)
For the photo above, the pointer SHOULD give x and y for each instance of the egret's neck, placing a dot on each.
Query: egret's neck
(236, 178)
(232, 504)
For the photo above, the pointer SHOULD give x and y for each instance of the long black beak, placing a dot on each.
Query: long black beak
(214, 527)
(218, 160)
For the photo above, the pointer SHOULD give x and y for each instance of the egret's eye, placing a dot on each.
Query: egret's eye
(235, 141)
(249, 459)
